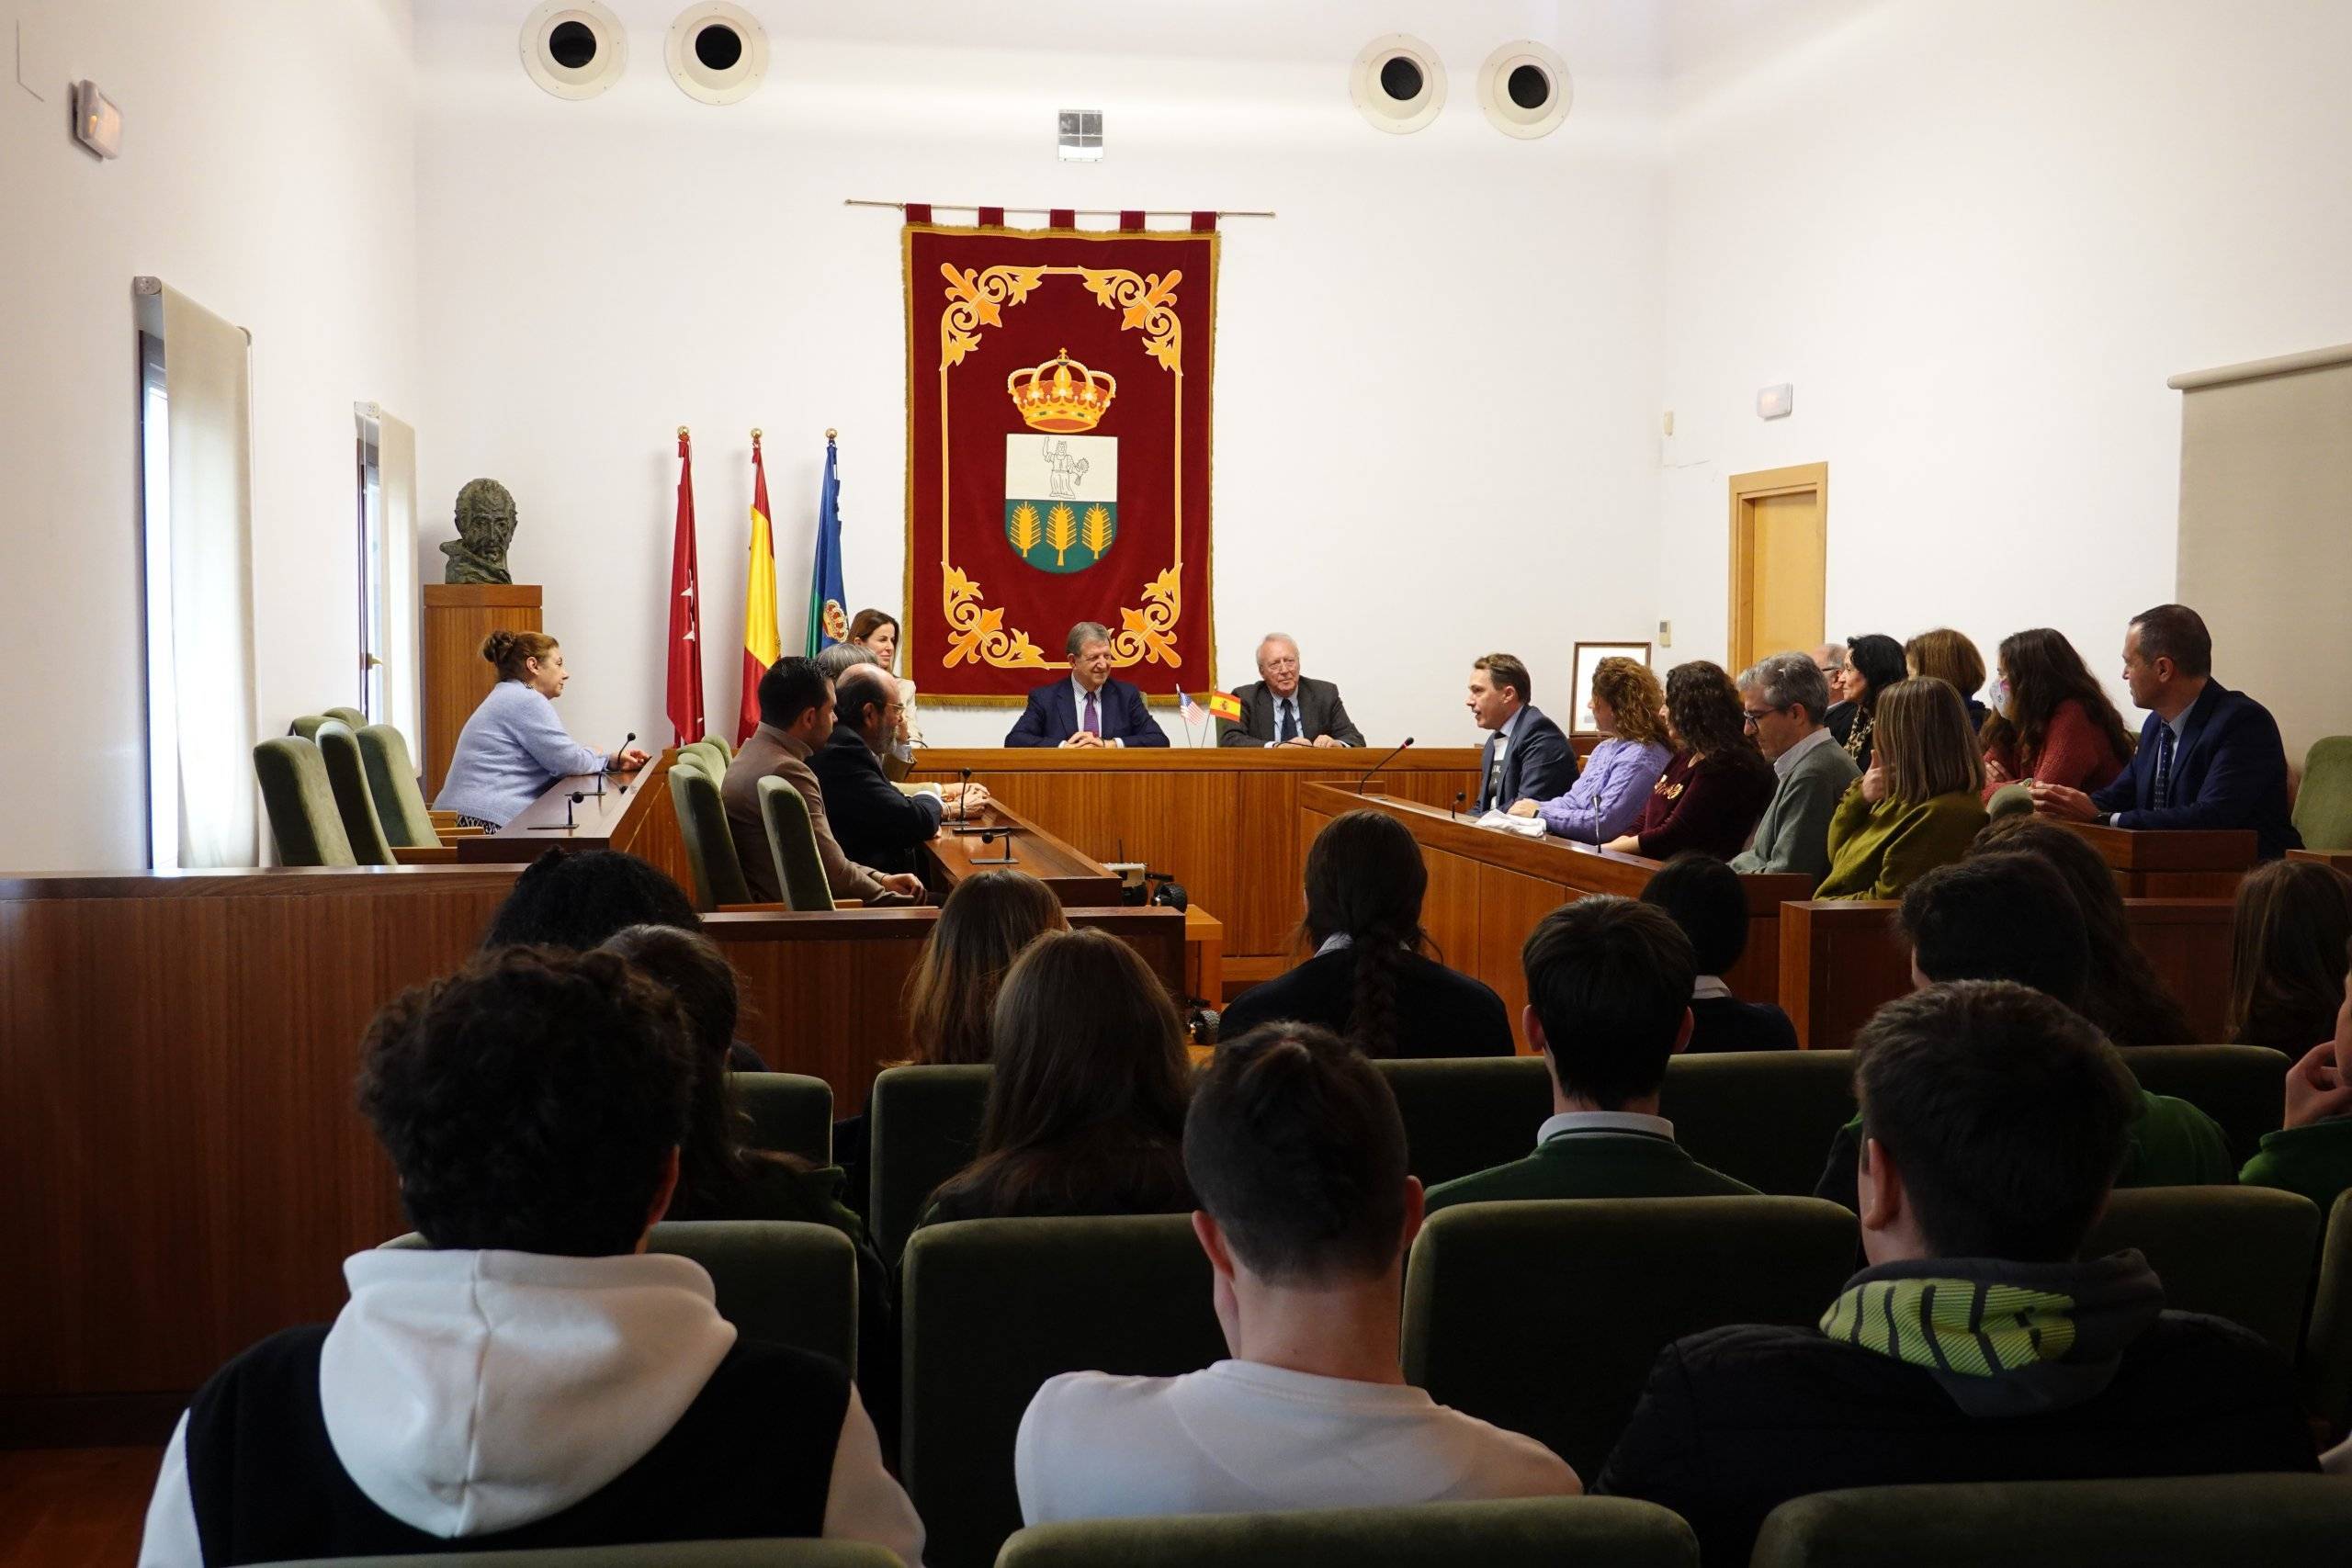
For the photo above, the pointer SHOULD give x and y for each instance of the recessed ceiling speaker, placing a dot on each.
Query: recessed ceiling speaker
(1524, 89)
(717, 51)
(1399, 83)
(574, 49)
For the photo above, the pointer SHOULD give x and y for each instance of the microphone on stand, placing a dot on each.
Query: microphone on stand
(964, 800)
(622, 752)
(1454, 810)
(1381, 763)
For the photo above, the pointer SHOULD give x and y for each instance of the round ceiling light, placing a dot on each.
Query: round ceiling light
(1524, 88)
(717, 52)
(1399, 83)
(574, 49)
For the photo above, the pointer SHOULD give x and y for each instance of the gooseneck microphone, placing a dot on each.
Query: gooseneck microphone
(964, 800)
(1456, 809)
(1381, 763)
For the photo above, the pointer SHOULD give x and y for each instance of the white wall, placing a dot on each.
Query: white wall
(268, 173)
(1978, 235)
(1437, 370)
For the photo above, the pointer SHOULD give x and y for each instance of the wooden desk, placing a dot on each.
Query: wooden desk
(2340, 858)
(2186, 863)
(1488, 887)
(634, 815)
(959, 854)
(1222, 820)
(1841, 960)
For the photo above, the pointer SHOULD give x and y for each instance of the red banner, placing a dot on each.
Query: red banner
(1057, 457)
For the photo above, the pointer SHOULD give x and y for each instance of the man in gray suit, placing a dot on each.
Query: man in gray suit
(1283, 708)
(1785, 698)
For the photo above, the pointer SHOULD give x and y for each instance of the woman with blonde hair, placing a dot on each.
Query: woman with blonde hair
(514, 748)
(1606, 799)
(985, 923)
(1950, 657)
(1919, 805)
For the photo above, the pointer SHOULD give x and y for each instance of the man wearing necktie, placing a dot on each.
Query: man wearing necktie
(1529, 758)
(1090, 708)
(1283, 708)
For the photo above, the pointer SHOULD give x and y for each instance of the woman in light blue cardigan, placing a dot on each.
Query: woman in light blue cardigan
(514, 748)
(1608, 795)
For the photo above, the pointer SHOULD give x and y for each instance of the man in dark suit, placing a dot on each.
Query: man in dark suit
(2209, 756)
(877, 823)
(1528, 759)
(1282, 707)
(1090, 708)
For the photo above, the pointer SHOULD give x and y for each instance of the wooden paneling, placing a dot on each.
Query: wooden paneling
(1510, 905)
(630, 812)
(959, 854)
(2340, 858)
(458, 616)
(2179, 863)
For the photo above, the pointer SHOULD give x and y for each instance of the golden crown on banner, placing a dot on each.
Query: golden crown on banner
(1052, 399)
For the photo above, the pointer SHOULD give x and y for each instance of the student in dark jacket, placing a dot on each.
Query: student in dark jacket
(1368, 980)
(1715, 787)
(1703, 897)
(1978, 1344)
(2209, 756)
(875, 823)
(1608, 1004)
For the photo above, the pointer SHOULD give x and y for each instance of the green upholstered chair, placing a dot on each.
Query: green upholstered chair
(1531, 1532)
(2242, 1086)
(2327, 1342)
(726, 747)
(2324, 805)
(716, 874)
(713, 755)
(1763, 1117)
(2009, 800)
(306, 726)
(1467, 1114)
(781, 1281)
(351, 719)
(391, 785)
(793, 842)
(2243, 1253)
(2173, 1521)
(1544, 1316)
(300, 802)
(923, 1125)
(661, 1554)
(791, 1113)
(348, 776)
(990, 1309)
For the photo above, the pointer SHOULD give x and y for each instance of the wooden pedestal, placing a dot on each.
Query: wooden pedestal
(458, 616)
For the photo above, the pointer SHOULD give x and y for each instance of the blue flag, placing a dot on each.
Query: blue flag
(828, 616)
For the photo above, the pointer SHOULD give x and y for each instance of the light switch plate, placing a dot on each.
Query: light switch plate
(35, 71)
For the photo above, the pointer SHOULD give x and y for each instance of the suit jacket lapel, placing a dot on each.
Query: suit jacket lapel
(2194, 724)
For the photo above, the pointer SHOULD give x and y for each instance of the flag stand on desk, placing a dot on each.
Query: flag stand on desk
(762, 644)
(827, 618)
(1188, 713)
(684, 702)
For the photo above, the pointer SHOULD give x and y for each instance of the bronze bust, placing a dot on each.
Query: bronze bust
(485, 526)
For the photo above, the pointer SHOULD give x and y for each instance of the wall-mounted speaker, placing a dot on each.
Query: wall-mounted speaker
(1524, 88)
(574, 49)
(1398, 82)
(717, 52)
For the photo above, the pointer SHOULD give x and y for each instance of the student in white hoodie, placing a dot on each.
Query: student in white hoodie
(537, 1379)
(1294, 1149)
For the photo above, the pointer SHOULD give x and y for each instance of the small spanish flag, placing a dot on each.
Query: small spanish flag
(1225, 704)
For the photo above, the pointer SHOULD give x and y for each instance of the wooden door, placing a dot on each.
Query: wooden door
(1780, 552)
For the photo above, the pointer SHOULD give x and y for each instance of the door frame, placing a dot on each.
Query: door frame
(1746, 491)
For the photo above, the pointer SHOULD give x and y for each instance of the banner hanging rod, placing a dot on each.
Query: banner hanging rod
(1043, 211)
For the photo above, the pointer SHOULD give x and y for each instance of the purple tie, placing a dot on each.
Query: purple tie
(1093, 718)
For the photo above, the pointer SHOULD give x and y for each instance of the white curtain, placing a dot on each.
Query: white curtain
(209, 385)
(396, 486)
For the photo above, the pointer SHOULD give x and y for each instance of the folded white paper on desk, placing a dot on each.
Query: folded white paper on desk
(1525, 827)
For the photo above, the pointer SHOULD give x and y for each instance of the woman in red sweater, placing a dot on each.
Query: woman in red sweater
(1717, 785)
(2060, 727)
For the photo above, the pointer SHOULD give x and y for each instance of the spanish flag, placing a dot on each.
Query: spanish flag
(1225, 704)
(761, 645)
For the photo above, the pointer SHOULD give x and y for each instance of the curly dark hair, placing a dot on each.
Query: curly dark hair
(1703, 706)
(531, 1102)
(577, 899)
(1365, 881)
(2045, 674)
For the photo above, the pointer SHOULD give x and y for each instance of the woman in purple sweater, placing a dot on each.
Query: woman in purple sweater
(1715, 791)
(514, 748)
(1607, 796)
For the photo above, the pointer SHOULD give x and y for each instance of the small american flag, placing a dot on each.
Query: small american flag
(1186, 707)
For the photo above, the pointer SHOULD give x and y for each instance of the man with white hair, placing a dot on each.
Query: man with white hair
(1282, 707)
(1784, 699)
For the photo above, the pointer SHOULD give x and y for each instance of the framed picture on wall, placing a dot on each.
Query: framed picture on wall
(1588, 658)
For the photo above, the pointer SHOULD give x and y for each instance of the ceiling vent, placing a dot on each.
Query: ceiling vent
(717, 52)
(1523, 86)
(574, 49)
(1399, 83)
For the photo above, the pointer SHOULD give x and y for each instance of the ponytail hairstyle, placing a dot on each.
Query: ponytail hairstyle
(511, 651)
(1365, 881)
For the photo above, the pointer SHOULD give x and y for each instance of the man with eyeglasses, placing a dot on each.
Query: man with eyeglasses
(877, 824)
(1284, 708)
(1784, 699)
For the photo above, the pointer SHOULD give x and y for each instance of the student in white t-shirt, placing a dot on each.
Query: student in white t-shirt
(1296, 1154)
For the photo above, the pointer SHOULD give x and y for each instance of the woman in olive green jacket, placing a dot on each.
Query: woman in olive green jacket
(1919, 806)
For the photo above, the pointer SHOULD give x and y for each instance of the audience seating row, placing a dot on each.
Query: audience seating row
(340, 791)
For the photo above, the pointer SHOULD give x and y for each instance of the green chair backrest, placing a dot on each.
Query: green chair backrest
(1543, 1316)
(2009, 800)
(791, 1113)
(2243, 1253)
(2242, 1086)
(661, 1554)
(2327, 1343)
(992, 1308)
(713, 755)
(781, 1281)
(793, 842)
(923, 1125)
(1466, 1115)
(1763, 1117)
(391, 785)
(716, 875)
(348, 776)
(726, 747)
(1531, 1532)
(351, 719)
(306, 728)
(300, 802)
(2323, 805)
(2173, 1521)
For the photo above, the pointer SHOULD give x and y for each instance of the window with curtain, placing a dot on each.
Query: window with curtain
(388, 593)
